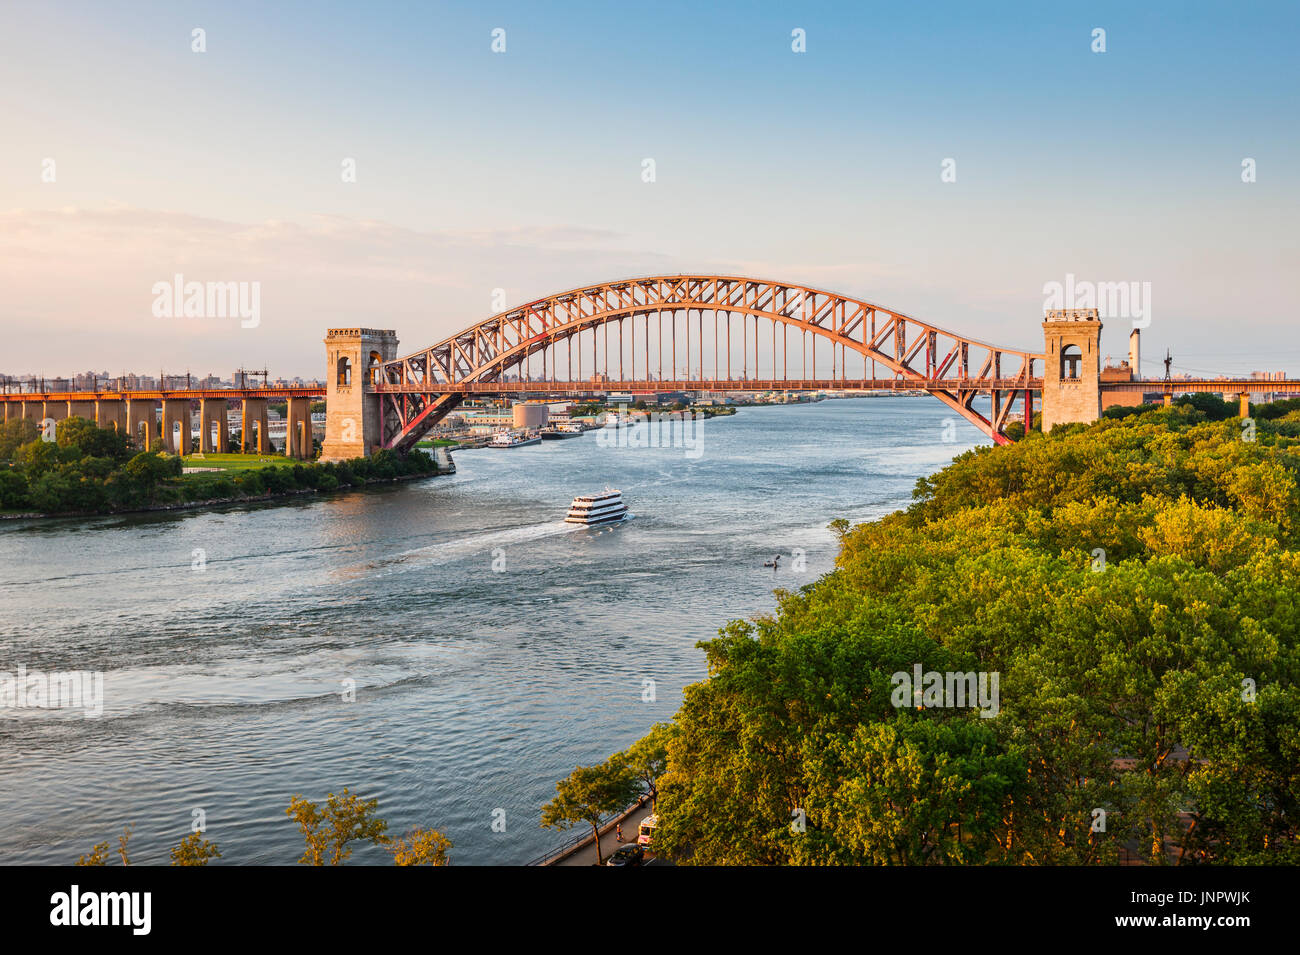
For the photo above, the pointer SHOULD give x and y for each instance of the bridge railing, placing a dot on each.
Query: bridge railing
(741, 384)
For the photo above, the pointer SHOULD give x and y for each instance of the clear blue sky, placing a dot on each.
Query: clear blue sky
(522, 170)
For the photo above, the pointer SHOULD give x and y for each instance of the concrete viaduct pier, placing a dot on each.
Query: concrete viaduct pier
(161, 420)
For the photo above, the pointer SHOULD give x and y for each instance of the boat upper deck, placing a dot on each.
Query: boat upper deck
(597, 498)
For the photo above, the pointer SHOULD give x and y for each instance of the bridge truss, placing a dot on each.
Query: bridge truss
(651, 334)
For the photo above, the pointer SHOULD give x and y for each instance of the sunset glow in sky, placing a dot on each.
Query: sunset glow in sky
(522, 170)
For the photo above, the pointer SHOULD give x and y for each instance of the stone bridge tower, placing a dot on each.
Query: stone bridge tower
(352, 363)
(1072, 376)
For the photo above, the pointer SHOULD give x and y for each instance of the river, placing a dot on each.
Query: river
(491, 646)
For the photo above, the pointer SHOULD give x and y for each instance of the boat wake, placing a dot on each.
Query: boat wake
(444, 552)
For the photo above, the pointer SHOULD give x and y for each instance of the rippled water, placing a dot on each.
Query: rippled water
(476, 689)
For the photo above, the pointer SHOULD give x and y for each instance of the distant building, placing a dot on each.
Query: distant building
(529, 414)
(1288, 391)
(488, 421)
(713, 398)
(672, 398)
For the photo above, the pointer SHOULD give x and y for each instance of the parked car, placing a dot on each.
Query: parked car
(630, 854)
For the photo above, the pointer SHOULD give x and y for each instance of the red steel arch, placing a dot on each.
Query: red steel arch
(495, 356)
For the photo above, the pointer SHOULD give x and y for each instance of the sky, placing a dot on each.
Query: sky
(128, 157)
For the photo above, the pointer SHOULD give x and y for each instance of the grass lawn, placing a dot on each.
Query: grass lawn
(238, 462)
(437, 443)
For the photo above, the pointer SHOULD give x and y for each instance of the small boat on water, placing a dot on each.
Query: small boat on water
(510, 439)
(601, 508)
(774, 563)
(557, 434)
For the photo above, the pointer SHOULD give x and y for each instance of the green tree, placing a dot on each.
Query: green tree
(1130, 582)
(13, 488)
(421, 847)
(50, 491)
(92, 441)
(42, 457)
(14, 434)
(912, 791)
(194, 850)
(346, 818)
(647, 758)
(589, 794)
(151, 468)
(98, 854)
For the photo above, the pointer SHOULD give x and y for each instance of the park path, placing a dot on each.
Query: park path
(585, 852)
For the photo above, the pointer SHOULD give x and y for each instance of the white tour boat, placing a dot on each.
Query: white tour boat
(597, 508)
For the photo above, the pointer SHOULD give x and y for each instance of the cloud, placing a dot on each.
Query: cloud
(77, 283)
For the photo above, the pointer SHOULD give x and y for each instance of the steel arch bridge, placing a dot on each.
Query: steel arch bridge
(562, 344)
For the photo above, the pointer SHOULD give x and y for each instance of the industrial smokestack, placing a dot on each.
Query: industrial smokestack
(1135, 353)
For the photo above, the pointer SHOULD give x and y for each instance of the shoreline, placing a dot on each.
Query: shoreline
(219, 501)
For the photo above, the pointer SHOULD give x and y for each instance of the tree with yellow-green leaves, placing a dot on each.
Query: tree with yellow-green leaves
(421, 847)
(327, 830)
(98, 854)
(345, 818)
(194, 850)
(591, 794)
(1131, 582)
(647, 759)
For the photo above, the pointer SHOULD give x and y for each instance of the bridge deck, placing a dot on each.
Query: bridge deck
(169, 394)
(1254, 386)
(735, 384)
